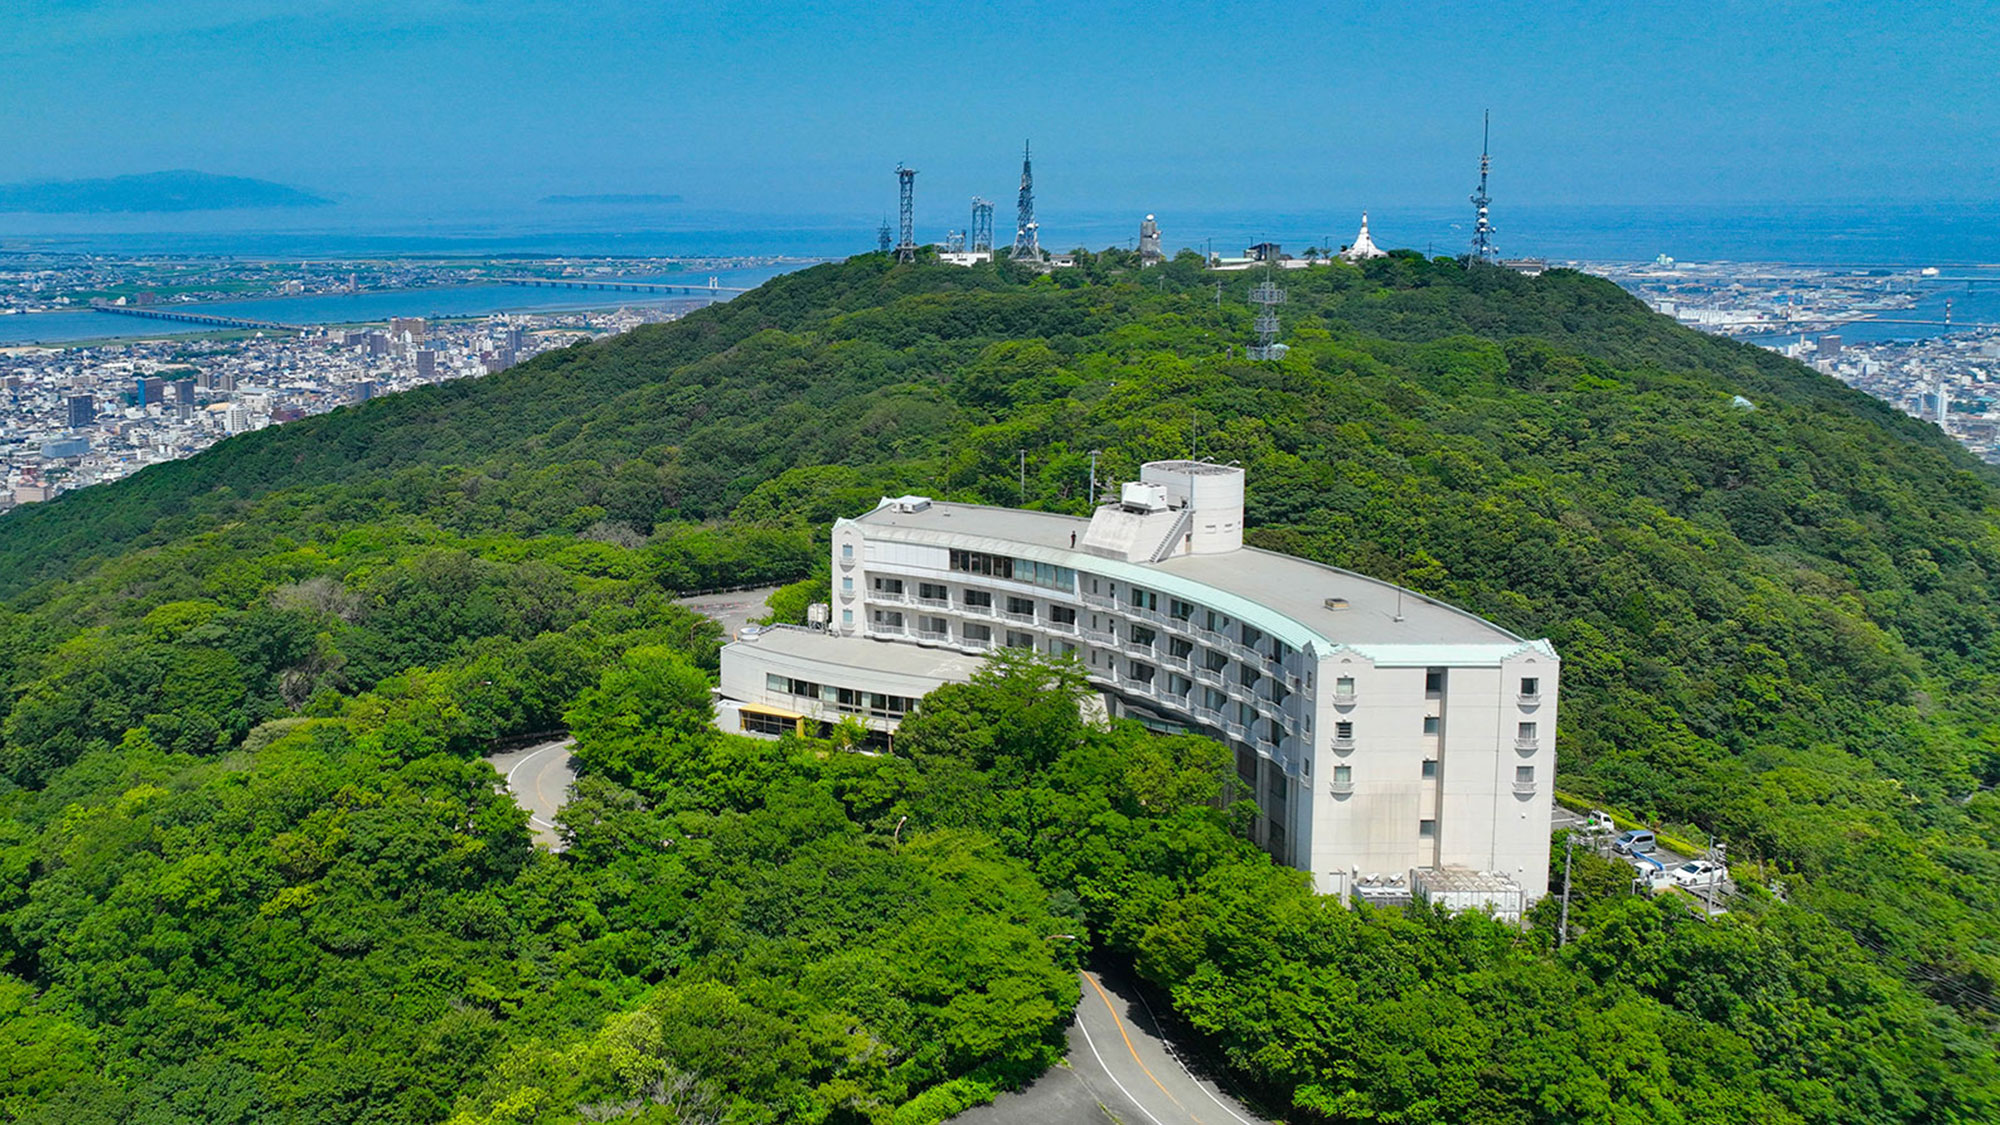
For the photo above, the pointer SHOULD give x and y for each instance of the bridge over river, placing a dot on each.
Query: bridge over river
(210, 319)
(709, 290)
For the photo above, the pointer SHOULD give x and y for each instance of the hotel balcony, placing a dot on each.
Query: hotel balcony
(1524, 788)
(1017, 618)
(1527, 745)
(1343, 745)
(976, 610)
(1099, 636)
(934, 603)
(934, 636)
(1060, 626)
(1343, 697)
(1212, 676)
(1340, 788)
(1101, 601)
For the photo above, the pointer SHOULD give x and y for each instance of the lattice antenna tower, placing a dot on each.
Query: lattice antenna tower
(954, 241)
(1267, 297)
(982, 225)
(1026, 243)
(885, 237)
(1483, 249)
(906, 209)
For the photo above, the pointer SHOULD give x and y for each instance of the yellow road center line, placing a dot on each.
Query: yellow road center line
(1120, 1024)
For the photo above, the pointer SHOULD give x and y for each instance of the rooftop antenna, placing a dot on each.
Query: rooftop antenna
(906, 183)
(1026, 244)
(1483, 249)
(982, 225)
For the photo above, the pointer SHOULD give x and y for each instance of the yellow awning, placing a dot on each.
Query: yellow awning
(773, 712)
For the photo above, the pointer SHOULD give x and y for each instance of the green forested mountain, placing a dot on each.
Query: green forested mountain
(251, 869)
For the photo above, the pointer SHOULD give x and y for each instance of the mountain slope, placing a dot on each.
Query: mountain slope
(1778, 623)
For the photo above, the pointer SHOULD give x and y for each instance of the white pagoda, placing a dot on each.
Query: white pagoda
(1364, 247)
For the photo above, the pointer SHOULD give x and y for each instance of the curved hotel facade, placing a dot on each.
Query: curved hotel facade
(1380, 732)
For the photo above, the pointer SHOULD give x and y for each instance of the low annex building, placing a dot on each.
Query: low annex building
(1379, 731)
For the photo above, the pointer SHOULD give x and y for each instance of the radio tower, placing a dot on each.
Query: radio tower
(982, 225)
(884, 236)
(906, 183)
(1267, 297)
(1483, 249)
(1025, 245)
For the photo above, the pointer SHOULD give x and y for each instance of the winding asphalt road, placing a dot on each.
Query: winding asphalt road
(539, 777)
(1121, 1068)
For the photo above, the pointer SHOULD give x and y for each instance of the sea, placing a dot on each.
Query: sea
(1961, 240)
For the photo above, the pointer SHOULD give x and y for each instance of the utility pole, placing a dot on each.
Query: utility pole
(1569, 848)
(1024, 477)
(1094, 454)
(1716, 855)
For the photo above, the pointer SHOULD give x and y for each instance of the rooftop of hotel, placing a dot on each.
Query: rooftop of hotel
(864, 654)
(1378, 616)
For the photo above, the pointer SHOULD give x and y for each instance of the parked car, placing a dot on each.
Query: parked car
(1636, 842)
(1700, 873)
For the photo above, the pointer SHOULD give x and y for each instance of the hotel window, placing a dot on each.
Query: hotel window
(978, 598)
(1427, 829)
(1141, 635)
(1179, 610)
(847, 584)
(1020, 605)
(1525, 732)
(1343, 729)
(1141, 672)
(933, 591)
(889, 586)
(1433, 683)
(1247, 676)
(1017, 639)
(847, 551)
(889, 618)
(1062, 615)
(1430, 724)
(1061, 648)
(1216, 622)
(780, 684)
(936, 627)
(1251, 635)
(1531, 687)
(1179, 648)
(1213, 699)
(1143, 599)
(1343, 775)
(1178, 686)
(1430, 769)
(1344, 686)
(978, 632)
(847, 617)
(1213, 660)
(1524, 775)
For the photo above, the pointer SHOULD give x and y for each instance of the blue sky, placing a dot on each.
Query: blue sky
(412, 106)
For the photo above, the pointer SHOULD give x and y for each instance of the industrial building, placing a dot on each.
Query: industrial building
(1381, 733)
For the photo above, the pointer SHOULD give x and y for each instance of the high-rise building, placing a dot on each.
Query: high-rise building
(1383, 735)
(426, 363)
(410, 326)
(1829, 346)
(152, 390)
(184, 392)
(82, 411)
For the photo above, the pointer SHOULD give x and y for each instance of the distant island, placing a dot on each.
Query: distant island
(608, 200)
(152, 191)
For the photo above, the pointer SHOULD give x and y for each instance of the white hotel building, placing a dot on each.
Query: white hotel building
(1382, 734)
